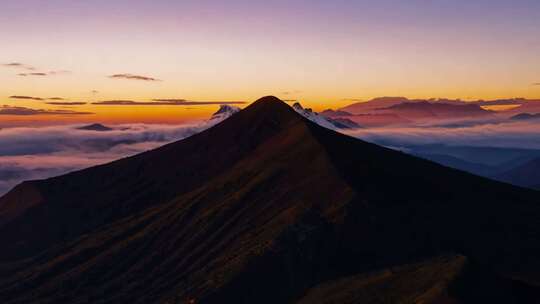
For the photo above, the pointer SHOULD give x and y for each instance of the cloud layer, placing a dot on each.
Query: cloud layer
(519, 134)
(35, 153)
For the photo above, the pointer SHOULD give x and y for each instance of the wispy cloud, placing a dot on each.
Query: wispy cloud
(42, 74)
(56, 100)
(164, 102)
(18, 65)
(23, 111)
(66, 103)
(133, 77)
(536, 84)
(33, 74)
(25, 97)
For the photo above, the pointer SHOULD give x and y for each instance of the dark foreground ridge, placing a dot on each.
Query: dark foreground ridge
(267, 207)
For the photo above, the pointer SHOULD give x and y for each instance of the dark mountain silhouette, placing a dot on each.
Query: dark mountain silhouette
(95, 127)
(425, 109)
(268, 207)
(525, 175)
(497, 157)
(525, 116)
(457, 163)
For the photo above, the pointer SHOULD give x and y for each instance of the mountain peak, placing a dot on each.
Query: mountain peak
(269, 99)
(270, 102)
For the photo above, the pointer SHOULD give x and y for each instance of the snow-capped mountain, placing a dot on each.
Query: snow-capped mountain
(224, 112)
(326, 122)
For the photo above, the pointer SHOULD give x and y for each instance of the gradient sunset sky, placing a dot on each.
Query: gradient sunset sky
(325, 53)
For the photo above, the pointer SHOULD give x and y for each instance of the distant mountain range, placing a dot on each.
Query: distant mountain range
(269, 207)
(386, 111)
(526, 116)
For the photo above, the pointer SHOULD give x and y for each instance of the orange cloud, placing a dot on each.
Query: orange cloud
(23, 111)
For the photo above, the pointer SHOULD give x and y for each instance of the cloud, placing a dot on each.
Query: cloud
(57, 100)
(25, 97)
(36, 153)
(164, 102)
(66, 103)
(42, 74)
(536, 84)
(133, 77)
(23, 111)
(22, 66)
(524, 135)
(32, 74)
(18, 65)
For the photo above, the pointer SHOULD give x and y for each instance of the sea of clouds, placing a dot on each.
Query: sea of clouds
(520, 134)
(36, 153)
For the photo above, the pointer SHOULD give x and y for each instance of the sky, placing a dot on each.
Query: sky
(324, 53)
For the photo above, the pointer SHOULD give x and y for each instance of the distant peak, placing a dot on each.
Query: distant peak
(227, 109)
(95, 127)
(224, 112)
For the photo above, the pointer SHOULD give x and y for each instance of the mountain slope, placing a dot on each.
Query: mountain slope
(460, 164)
(258, 209)
(525, 175)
